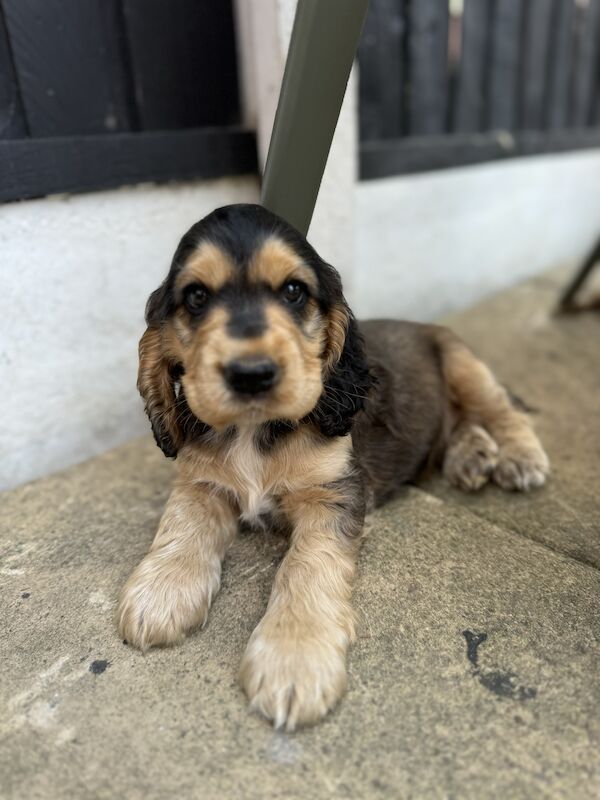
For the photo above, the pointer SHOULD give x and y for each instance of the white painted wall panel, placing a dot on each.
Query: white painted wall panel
(437, 242)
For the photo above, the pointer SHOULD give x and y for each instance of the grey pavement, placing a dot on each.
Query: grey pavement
(476, 673)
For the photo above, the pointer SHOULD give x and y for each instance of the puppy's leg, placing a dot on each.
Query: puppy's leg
(294, 668)
(521, 461)
(170, 592)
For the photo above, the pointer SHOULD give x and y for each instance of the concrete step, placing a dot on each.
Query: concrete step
(554, 364)
(426, 715)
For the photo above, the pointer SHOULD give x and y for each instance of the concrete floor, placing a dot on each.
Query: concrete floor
(476, 673)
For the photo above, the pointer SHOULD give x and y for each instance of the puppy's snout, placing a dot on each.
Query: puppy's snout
(251, 375)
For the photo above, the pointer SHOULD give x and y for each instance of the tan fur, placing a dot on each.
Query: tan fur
(209, 265)
(275, 263)
(300, 462)
(155, 383)
(294, 667)
(521, 462)
(204, 350)
(298, 357)
(336, 334)
(171, 590)
(293, 670)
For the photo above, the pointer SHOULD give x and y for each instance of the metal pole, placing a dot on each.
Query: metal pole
(322, 48)
(567, 301)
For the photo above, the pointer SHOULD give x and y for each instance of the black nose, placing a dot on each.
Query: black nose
(251, 375)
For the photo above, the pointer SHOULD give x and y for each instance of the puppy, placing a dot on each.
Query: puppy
(279, 406)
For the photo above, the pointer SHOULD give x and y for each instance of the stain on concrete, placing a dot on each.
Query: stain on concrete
(473, 642)
(283, 750)
(500, 683)
(504, 684)
(99, 666)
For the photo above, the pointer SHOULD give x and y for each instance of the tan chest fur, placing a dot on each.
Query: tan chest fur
(300, 461)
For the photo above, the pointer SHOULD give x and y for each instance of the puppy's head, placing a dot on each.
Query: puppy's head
(249, 326)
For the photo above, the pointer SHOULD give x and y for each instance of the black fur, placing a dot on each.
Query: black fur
(271, 433)
(346, 388)
(353, 505)
(248, 321)
(163, 439)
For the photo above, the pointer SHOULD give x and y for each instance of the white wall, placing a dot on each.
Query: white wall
(437, 242)
(76, 273)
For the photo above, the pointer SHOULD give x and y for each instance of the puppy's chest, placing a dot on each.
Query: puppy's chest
(258, 477)
(251, 477)
(248, 474)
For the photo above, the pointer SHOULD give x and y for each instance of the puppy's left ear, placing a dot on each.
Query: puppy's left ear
(346, 377)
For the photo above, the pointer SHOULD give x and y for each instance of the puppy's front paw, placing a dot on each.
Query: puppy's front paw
(163, 600)
(294, 680)
(521, 466)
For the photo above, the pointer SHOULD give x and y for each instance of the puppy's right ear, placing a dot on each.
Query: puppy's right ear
(156, 384)
(157, 374)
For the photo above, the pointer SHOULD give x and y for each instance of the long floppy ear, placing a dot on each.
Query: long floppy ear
(346, 379)
(156, 384)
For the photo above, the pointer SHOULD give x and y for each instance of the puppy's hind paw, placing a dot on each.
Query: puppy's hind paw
(521, 467)
(470, 458)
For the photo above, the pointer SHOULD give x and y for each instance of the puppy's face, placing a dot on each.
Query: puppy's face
(250, 335)
(253, 325)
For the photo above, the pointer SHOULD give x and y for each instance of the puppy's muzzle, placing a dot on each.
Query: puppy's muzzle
(251, 376)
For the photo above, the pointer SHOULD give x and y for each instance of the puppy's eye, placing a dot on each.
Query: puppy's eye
(195, 297)
(294, 293)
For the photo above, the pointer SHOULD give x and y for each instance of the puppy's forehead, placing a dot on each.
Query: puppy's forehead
(271, 261)
(210, 265)
(275, 261)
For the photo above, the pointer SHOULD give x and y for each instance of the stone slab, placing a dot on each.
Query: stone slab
(85, 716)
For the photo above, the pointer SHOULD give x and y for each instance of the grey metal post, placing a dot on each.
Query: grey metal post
(322, 48)
(568, 300)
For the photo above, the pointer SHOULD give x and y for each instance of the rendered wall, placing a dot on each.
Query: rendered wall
(438, 242)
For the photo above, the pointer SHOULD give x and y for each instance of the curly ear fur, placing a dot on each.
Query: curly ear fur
(156, 384)
(347, 380)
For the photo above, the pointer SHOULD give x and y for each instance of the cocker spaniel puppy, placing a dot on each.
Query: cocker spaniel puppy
(280, 407)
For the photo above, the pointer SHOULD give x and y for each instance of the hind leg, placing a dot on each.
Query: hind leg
(480, 400)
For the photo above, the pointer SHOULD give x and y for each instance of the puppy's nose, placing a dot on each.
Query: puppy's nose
(251, 375)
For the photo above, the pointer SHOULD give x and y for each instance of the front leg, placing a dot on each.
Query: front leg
(294, 668)
(171, 590)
